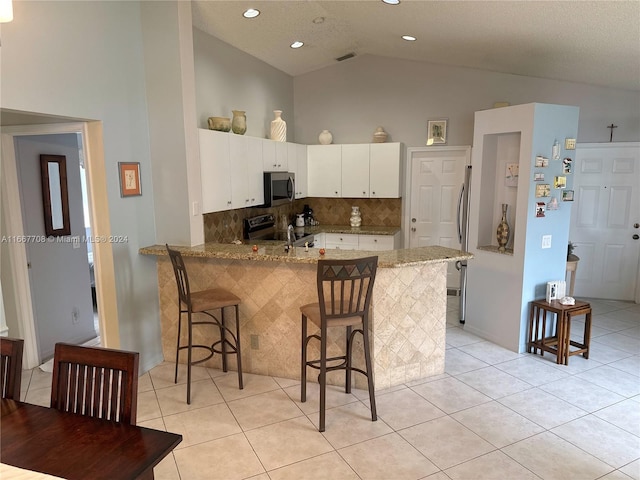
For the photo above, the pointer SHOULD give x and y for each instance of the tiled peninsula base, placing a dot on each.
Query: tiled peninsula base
(408, 319)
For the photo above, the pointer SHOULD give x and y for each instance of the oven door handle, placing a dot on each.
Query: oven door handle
(291, 190)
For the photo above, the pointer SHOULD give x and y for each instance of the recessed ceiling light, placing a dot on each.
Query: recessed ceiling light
(408, 38)
(297, 44)
(391, 2)
(251, 13)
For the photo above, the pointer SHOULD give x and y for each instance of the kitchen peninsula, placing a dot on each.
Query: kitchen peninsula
(408, 320)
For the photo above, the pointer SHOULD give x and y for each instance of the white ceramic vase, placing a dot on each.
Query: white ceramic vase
(278, 127)
(356, 217)
(325, 137)
(379, 136)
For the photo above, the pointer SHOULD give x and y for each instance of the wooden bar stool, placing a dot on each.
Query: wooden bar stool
(559, 342)
(203, 302)
(345, 289)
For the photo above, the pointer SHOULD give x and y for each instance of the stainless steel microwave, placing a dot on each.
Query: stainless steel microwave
(279, 188)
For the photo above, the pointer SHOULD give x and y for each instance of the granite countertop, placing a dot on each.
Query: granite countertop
(353, 230)
(275, 252)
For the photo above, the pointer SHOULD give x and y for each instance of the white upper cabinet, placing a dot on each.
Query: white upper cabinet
(274, 156)
(239, 171)
(255, 171)
(215, 170)
(355, 171)
(297, 161)
(384, 170)
(324, 164)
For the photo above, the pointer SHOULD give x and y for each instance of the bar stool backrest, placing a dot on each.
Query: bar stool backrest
(96, 382)
(182, 279)
(345, 287)
(11, 367)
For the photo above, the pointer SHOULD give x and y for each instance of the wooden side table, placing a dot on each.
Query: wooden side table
(572, 267)
(559, 342)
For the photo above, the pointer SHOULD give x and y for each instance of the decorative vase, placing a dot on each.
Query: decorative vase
(221, 124)
(325, 137)
(356, 218)
(278, 127)
(239, 122)
(504, 232)
(379, 136)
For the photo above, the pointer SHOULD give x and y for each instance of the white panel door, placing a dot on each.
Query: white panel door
(604, 220)
(436, 176)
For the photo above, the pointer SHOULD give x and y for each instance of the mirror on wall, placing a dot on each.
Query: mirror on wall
(55, 197)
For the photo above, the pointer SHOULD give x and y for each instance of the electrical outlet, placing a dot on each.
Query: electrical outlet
(255, 342)
(196, 208)
(569, 143)
(546, 241)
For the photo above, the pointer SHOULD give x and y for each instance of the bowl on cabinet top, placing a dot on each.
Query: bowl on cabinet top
(221, 124)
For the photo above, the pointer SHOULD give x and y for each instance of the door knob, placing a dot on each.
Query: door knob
(636, 225)
(636, 236)
(413, 229)
(413, 220)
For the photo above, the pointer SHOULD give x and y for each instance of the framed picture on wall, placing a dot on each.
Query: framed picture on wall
(129, 174)
(567, 196)
(437, 132)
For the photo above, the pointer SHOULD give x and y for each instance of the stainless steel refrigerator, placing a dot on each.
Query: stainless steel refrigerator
(463, 238)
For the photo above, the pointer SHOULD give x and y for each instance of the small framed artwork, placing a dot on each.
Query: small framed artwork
(566, 165)
(567, 196)
(538, 177)
(436, 132)
(541, 161)
(553, 204)
(511, 175)
(560, 182)
(129, 174)
(543, 190)
(540, 207)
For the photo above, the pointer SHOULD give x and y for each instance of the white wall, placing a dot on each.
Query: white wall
(353, 97)
(85, 60)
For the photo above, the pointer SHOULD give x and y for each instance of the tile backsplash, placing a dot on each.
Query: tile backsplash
(225, 227)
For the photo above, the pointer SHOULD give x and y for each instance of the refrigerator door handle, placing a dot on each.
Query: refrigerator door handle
(459, 213)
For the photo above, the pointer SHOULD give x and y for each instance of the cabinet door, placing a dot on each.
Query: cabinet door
(255, 175)
(376, 242)
(215, 173)
(301, 171)
(281, 157)
(324, 164)
(238, 157)
(319, 240)
(355, 171)
(384, 170)
(341, 241)
(269, 155)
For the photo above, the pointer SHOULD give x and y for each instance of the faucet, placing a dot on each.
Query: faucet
(291, 237)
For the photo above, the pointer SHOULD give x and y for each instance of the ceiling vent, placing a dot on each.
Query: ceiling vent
(346, 57)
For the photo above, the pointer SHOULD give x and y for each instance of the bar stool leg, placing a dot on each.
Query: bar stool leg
(347, 380)
(323, 376)
(223, 340)
(303, 363)
(238, 352)
(189, 359)
(367, 359)
(175, 380)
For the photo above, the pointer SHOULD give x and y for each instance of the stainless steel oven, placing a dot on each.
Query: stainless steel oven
(279, 188)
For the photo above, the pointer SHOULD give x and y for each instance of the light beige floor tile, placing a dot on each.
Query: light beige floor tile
(612, 379)
(497, 424)
(489, 352)
(405, 408)
(202, 425)
(148, 406)
(457, 362)
(262, 476)
(534, 405)
(450, 394)
(553, 458)
(631, 332)
(603, 353)
(437, 476)
(530, 370)
(363, 395)
(327, 466)
(286, 382)
(493, 383)
(144, 383)
(174, 399)
(349, 424)
(632, 470)
(492, 466)
(446, 442)
(432, 378)
(625, 415)
(40, 379)
(585, 395)
(287, 442)
(620, 341)
(163, 375)
(630, 365)
(264, 409)
(457, 337)
(335, 397)
(39, 396)
(25, 379)
(386, 457)
(228, 458)
(253, 385)
(587, 432)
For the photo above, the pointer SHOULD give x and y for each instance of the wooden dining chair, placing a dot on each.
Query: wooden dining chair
(11, 367)
(345, 288)
(97, 382)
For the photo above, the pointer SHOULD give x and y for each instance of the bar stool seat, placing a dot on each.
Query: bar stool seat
(204, 302)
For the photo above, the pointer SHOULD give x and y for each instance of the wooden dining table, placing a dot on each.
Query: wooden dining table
(73, 446)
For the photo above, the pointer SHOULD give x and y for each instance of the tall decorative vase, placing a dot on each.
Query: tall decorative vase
(504, 231)
(239, 122)
(278, 127)
(356, 219)
(325, 137)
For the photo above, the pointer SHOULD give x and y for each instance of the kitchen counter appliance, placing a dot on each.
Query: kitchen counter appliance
(263, 227)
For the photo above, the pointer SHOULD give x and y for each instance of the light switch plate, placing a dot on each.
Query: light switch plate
(546, 241)
(569, 143)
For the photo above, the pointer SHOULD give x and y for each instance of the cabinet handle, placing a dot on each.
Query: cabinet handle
(364, 193)
(373, 193)
(336, 193)
(246, 201)
(229, 202)
(375, 240)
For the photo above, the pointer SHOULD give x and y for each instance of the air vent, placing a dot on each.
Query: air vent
(346, 57)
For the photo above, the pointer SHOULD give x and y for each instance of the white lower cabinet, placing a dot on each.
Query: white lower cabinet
(350, 241)
(342, 241)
